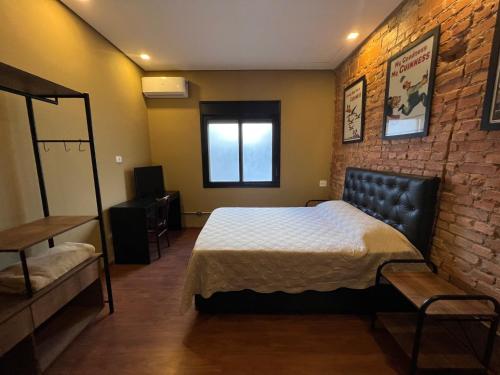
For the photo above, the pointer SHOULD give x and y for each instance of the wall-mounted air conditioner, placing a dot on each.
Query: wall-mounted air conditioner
(165, 87)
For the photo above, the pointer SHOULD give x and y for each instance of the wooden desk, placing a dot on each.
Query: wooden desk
(129, 227)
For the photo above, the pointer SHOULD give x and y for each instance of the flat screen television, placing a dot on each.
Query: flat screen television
(149, 182)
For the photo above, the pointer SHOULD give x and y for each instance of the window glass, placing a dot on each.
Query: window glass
(223, 151)
(240, 143)
(257, 151)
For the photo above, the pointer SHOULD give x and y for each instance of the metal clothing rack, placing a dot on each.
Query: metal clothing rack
(32, 87)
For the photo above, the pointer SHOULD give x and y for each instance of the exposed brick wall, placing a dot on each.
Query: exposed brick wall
(466, 245)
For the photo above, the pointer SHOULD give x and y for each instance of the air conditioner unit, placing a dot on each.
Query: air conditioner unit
(165, 87)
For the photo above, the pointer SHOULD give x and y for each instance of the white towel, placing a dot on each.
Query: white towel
(45, 268)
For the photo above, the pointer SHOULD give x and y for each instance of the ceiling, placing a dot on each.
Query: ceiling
(234, 34)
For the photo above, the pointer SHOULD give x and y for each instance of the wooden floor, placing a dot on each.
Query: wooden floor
(147, 335)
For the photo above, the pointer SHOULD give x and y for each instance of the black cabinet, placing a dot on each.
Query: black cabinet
(129, 226)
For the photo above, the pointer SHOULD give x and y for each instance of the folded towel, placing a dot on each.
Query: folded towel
(45, 268)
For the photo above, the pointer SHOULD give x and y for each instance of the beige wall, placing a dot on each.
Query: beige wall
(46, 39)
(307, 111)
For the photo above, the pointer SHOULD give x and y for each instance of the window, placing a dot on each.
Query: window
(240, 144)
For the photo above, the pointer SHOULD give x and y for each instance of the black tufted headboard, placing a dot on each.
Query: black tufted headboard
(406, 202)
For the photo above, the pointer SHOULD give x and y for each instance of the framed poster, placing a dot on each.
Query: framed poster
(491, 109)
(354, 111)
(409, 88)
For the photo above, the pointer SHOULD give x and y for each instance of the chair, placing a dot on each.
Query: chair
(158, 223)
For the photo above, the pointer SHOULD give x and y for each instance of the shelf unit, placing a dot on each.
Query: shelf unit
(41, 327)
(60, 330)
(37, 327)
(29, 234)
(439, 351)
(32, 87)
(436, 302)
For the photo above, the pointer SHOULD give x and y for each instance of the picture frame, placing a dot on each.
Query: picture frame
(354, 111)
(491, 107)
(410, 87)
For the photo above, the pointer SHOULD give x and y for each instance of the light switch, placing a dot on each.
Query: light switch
(323, 183)
(119, 159)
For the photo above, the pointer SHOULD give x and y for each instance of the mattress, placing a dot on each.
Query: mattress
(46, 268)
(291, 249)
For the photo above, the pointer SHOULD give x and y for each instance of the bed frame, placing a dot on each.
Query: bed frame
(406, 202)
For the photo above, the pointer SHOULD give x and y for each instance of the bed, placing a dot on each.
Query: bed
(322, 257)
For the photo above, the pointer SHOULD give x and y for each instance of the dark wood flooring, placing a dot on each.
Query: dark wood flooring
(147, 335)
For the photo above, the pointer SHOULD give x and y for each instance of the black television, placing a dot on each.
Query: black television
(149, 182)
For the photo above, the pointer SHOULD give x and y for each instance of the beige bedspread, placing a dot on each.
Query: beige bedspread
(291, 249)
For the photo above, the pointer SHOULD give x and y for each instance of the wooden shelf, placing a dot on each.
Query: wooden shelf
(61, 330)
(439, 350)
(420, 286)
(26, 235)
(24, 83)
(52, 318)
(11, 304)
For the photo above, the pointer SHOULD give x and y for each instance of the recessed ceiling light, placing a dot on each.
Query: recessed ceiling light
(145, 56)
(352, 36)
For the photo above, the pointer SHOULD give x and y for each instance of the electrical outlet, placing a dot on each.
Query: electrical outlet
(323, 183)
(119, 159)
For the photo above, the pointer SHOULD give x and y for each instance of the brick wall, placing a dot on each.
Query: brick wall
(467, 241)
